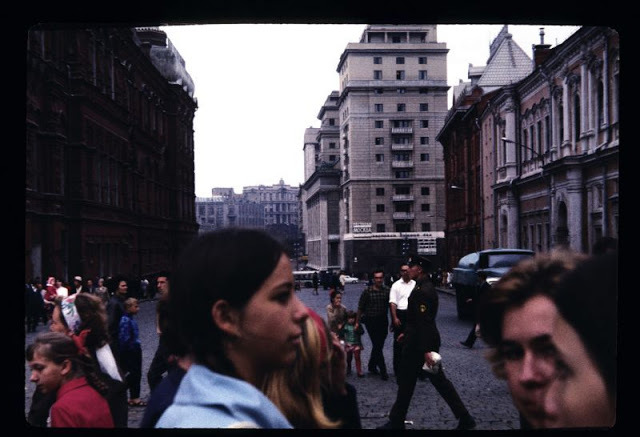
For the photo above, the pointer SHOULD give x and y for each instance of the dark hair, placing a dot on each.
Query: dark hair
(378, 270)
(351, 314)
(229, 264)
(334, 293)
(58, 347)
(588, 301)
(93, 316)
(537, 276)
(164, 273)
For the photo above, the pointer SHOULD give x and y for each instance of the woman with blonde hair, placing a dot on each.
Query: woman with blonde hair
(313, 393)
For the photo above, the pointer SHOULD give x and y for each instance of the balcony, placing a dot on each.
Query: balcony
(402, 198)
(402, 146)
(401, 164)
(402, 130)
(403, 216)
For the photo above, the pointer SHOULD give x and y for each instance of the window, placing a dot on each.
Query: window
(424, 140)
(402, 174)
(380, 207)
(378, 91)
(378, 107)
(399, 59)
(425, 207)
(400, 75)
(332, 122)
(332, 158)
(402, 90)
(424, 123)
(332, 145)
(422, 74)
(380, 191)
(401, 107)
(379, 157)
(377, 59)
(402, 207)
(379, 124)
(377, 74)
(379, 141)
(424, 106)
(424, 157)
(426, 227)
(395, 39)
(402, 156)
(380, 227)
(403, 190)
(422, 60)
(424, 191)
(547, 134)
(424, 90)
(403, 227)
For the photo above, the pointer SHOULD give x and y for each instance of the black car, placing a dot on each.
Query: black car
(494, 262)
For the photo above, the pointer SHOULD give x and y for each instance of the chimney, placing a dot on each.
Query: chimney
(541, 51)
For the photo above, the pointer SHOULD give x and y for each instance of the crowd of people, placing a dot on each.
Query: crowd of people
(251, 354)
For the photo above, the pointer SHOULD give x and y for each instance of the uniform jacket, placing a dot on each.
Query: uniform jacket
(206, 399)
(422, 332)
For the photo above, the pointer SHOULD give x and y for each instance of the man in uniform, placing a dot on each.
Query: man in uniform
(421, 337)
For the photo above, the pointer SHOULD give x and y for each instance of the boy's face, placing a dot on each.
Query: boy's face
(351, 320)
(133, 308)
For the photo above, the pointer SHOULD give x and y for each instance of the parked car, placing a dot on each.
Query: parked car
(350, 280)
(495, 262)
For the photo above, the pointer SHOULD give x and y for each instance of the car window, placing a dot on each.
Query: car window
(506, 259)
(467, 260)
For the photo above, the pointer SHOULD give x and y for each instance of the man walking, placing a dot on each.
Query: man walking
(481, 288)
(372, 311)
(160, 362)
(421, 337)
(398, 300)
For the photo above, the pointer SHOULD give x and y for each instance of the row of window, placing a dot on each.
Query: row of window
(379, 141)
(403, 190)
(400, 107)
(400, 75)
(403, 227)
(400, 60)
(402, 157)
(424, 207)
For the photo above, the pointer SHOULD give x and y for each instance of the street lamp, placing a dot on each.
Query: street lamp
(535, 152)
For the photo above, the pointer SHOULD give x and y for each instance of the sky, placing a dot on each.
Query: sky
(259, 86)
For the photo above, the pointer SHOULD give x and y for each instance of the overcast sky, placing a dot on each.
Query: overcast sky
(259, 86)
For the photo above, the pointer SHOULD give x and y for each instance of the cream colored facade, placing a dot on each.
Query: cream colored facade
(392, 102)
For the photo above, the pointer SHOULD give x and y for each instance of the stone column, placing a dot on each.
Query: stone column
(574, 208)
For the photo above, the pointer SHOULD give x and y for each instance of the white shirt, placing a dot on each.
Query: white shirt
(63, 291)
(400, 292)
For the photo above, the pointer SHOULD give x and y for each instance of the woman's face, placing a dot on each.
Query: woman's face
(57, 325)
(337, 300)
(46, 374)
(270, 325)
(577, 396)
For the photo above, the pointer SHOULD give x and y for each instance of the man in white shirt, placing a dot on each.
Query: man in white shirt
(398, 300)
(61, 289)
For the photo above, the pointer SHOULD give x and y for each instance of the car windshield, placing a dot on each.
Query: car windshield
(506, 259)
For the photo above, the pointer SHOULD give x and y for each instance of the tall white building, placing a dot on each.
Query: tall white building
(391, 103)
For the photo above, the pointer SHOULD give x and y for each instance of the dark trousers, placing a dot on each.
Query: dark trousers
(132, 366)
(471, 338)
(397, 347)
(410, 367)
(377, 329)
(159, 365)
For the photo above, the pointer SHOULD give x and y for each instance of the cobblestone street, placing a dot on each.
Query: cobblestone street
(486, 397)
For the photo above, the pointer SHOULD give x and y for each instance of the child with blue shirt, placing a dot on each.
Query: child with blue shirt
(131, 351)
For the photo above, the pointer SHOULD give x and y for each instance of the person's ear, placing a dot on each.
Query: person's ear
(66, 367)
(226, 318)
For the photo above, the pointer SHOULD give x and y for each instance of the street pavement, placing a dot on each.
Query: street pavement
(485, 396)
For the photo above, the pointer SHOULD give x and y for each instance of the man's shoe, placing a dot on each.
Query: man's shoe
(390, 425)
(465, 344)
(373, 371)
(466, 422)
(384, 376)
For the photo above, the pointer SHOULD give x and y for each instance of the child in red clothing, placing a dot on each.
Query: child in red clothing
(59, 366)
